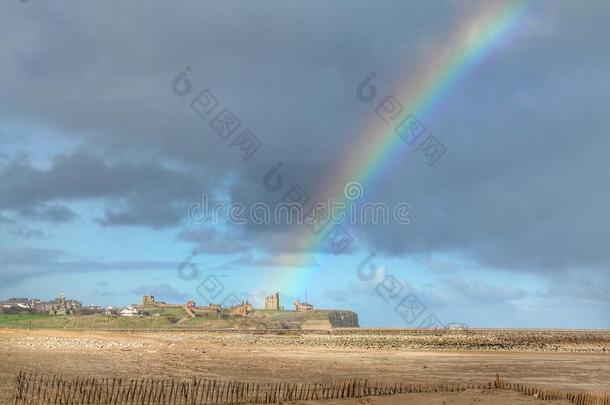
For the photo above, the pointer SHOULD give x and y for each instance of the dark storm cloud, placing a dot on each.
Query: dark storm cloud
(51, 213)
(138, 193)
(74, 176)
(523, 185)
(20, 264)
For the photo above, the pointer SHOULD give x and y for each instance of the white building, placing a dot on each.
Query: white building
(129, 311)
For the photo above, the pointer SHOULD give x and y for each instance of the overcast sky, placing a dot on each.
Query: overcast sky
(100, 158)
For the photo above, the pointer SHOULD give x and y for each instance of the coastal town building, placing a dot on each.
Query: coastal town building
(242, 309)
(64, 306)
(272, 302)
(129, 311)
(302, 306)
(17, 303)
(58, 306)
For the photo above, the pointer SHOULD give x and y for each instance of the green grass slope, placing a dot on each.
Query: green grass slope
(176, 318)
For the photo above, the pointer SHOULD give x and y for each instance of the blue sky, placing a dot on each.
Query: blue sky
(100, 160)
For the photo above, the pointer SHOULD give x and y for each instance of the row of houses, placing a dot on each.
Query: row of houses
(58, 306)
(64, 306)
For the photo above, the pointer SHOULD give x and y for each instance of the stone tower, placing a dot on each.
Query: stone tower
(272, 302)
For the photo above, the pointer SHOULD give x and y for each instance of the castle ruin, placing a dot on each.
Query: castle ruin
(241, 309)
(272, 302)
(302, 306)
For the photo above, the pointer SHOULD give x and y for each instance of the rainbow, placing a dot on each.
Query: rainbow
(439, 73)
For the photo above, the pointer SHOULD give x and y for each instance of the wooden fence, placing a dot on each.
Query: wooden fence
(578, 398)
(41, 389)
(60, 390)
